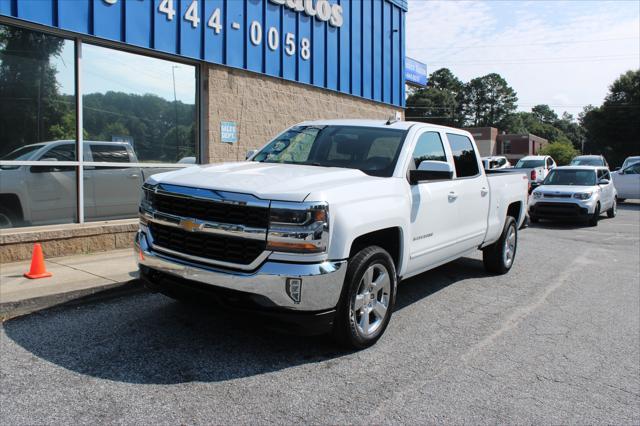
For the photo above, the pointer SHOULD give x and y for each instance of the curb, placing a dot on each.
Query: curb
(96, 294)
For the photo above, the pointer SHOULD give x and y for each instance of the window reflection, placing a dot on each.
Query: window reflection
(146, 102)
(37, 100)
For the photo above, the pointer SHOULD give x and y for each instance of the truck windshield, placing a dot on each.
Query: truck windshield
(372, 150)
(23, 153)
(529, 164)
(587, 162)
(571, 177)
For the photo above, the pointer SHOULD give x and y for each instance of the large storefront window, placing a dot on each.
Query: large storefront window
(138, 118)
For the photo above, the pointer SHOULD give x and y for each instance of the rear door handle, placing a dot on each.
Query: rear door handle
(453, 196)
(484, 192)
(134, 176)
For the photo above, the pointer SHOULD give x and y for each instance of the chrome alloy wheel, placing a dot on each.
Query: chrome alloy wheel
(509, 249)
(371, 301)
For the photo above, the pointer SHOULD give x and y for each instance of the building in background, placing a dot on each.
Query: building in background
(513, 146)
(485, 138)
(96, 95)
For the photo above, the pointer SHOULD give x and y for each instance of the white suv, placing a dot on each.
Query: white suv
(574, 192)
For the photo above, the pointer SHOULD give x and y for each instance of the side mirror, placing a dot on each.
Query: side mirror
(431, 170)
(250, 154)
(603, 182)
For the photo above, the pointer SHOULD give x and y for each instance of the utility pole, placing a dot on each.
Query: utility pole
(175, 106)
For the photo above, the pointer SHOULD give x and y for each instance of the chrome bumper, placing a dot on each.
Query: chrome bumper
(321, 283)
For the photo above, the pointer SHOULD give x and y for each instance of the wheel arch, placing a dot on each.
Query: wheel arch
(389, 239)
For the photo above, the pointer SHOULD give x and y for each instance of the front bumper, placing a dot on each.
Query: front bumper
(562, 209)
(266, 287)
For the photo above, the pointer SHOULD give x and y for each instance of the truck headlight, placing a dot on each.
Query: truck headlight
(298, 227)
(537, 194)
(583, 195)
(148, 193)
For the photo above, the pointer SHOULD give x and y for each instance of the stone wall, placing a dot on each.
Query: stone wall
(264, 106)
(65, 240)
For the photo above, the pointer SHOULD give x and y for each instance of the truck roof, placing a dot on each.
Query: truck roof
(401, 125)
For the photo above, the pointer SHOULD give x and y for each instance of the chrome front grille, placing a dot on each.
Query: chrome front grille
(205, 226)
(205, 245)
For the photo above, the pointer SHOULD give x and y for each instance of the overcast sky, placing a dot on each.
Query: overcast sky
(561, 53)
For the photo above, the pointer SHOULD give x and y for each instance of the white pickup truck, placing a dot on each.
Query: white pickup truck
(318, 227)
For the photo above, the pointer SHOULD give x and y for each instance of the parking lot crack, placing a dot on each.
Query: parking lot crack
(520, 314)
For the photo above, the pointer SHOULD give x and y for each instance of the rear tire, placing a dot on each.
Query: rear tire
(595, 217)
(8, 218)
(498, 258)
(368, 299)
(613, 211)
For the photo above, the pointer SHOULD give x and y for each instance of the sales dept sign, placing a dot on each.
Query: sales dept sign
(228, 132)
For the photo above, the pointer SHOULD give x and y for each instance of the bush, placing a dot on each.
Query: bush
(561, 151)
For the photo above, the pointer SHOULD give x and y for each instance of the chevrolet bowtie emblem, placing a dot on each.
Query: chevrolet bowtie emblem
(191, 225)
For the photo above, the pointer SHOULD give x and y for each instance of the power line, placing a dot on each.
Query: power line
(480, 46)
(543, 60)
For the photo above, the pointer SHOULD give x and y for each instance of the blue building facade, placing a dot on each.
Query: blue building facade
(355, 47)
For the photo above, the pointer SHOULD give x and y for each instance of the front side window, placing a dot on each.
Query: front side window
(464, 156)
(571, 177)
(428, 147)
(372, 150)
(633, 170)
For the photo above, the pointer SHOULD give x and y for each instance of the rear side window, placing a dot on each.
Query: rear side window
(110, 153)
(464, 157)
(429, 147)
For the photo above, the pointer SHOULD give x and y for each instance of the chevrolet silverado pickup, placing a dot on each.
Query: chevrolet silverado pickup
(316, 229)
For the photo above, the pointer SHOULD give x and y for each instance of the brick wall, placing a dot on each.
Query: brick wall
(264, 106)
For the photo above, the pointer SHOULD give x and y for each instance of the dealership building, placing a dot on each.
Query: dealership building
(97, 95)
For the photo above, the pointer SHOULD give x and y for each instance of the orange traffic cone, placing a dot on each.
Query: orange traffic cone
(38, 270)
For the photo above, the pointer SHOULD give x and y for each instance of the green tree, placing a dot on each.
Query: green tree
(613, 129)
(443, 78)
(439, 102)
(31, 107)
(544, 113)
(488, 101)
(562, 151)
(433, 105)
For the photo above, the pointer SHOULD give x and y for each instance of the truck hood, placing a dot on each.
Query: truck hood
(285, 182)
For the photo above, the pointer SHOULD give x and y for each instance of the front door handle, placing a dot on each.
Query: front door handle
(453, 196)
(134, 176)
(484, 192)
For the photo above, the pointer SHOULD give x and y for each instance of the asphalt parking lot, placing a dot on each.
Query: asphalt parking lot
(557, 340)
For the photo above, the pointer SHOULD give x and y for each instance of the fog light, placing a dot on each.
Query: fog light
(294, 289)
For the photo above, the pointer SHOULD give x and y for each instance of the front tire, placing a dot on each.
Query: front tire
(498, 258)
(368, 299)
(613, 211)
(595, 217)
